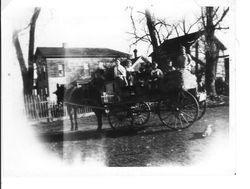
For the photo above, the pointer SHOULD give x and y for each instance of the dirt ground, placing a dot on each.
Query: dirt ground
(152, 145)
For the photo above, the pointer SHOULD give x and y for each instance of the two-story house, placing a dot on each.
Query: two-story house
(61, 65)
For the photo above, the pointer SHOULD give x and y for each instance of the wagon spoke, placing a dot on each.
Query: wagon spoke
(141, 113)
(175, 121)
(120, 116)
(188, 106)
(202, 109)
(180, 121)
(166, 116)
(187, 114)
(184, 107)
(117, 125)
(184, 118)
(169, 120)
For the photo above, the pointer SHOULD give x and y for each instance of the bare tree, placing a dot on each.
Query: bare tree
(211, 21)
(27, 70)
(154, 32)
(185, 27)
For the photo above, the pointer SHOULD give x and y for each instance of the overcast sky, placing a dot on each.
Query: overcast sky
(94, 23)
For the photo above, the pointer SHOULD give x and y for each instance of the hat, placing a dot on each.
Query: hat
(182, 47)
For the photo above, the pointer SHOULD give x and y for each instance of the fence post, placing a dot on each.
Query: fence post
(50, 118)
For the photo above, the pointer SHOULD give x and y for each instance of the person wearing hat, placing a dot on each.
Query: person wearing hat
(184, 60)
(120, 75)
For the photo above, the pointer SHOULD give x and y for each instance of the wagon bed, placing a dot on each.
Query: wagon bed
(177, 109)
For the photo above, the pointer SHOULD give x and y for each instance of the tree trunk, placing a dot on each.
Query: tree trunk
(226, 62)
(19, 52)
(196, 56)
(212, 53)
(210, 74)
(21, 61)
(152, 33)
(27, 73)
(32, 42)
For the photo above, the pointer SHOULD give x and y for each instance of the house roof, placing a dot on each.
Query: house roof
(135, 59)
(140, 58)
(60, 52)
(171, 46)
(138, 61)
(220, 44)
(185, 40)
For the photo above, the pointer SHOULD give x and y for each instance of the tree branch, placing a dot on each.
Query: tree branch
(163, 25)
(158, 36)
(190, 27)
(184, 26)
(222, 16)
(32, 36)
(19, 52)
(176, 30)
(162, 22)
(203, 18)
(141, 12)
(149, 47)
(215, 12)
(169, 32)
(142, 38)
(20, 30)
(222, 28)
(132, 19)
(198, 60)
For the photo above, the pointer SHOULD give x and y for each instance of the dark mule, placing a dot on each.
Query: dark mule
(59, 93)
(87, 95)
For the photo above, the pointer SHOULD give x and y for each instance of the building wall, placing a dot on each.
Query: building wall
(52, 86)
(221, 68)
(42, 77)
(65, 70)
(220, 65)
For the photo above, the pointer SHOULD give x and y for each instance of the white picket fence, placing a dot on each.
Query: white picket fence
(40, 107)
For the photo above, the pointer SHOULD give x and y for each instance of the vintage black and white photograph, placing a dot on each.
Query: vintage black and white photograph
(114, 84)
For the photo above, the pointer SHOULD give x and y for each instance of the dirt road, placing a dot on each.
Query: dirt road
(153, 145)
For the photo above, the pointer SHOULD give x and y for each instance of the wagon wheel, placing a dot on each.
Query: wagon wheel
(178, 112)
(141, 113)
(202, 109)
(201, 98)
(120, 117)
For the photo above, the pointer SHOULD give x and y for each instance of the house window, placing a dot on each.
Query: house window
(60, 70)
(86, 70)
(34, 91)
(44, 72)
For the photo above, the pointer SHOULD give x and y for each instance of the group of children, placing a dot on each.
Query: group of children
(149, 74)
(126, 77)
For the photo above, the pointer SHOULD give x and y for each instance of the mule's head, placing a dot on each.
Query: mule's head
(60, 93)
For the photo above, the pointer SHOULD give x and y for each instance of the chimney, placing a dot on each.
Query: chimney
(65, 45)
(135, 53)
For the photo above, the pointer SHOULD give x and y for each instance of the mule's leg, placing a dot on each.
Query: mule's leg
(98, 114)
(75, 117)
(69, 109)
